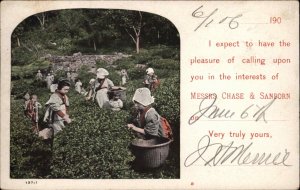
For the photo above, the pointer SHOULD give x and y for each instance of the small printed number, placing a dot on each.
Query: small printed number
(275, 20)
(31, 182)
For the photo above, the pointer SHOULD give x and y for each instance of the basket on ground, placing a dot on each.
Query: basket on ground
(150, 153)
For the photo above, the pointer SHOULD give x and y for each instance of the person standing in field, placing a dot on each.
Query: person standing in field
(69, 75)
(32, 112)
(102, 85)
(39, 76)
(124, 77)
(91, 90)
(151, 81)
(78, 85)
(74, 75)
(49, 80)
(57, 107)
(26, 100)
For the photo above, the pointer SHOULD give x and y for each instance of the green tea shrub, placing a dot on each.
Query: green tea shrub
(136, 73)
(165, 64)
(21, 56)
(96, 144)
(125, 63)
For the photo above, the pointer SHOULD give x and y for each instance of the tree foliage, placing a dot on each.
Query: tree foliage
(89, 31)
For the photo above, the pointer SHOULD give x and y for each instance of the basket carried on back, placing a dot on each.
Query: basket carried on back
(150, 153)
(117, 90)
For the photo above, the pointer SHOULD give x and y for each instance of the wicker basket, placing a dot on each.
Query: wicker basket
(150, 153)
(117, 89)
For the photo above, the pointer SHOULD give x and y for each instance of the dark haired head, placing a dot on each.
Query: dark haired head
(62, 83)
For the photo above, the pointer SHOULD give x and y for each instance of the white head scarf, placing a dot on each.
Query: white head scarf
(91, 81)
(143, 96)
(101, 73)
(149, 70)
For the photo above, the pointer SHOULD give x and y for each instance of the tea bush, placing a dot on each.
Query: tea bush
(95, 144)
(28, 71)
(165, 64)
(21, 56)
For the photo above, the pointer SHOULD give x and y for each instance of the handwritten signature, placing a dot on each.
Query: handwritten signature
(211, 111)
(214, 154)
(208, 19)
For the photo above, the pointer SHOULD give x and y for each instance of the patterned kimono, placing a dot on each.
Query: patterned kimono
(57, 109)
(32, 111)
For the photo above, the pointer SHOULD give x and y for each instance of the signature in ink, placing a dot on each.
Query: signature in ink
(212, 111)
(216, 154)
(208, 19)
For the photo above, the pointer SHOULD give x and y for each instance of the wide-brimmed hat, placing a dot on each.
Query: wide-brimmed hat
(143, 96)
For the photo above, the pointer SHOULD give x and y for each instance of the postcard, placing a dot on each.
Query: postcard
(149, 94)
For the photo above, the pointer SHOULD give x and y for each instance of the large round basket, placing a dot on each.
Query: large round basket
(150, 153)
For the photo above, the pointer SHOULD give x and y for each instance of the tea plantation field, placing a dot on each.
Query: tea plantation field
(95, 144)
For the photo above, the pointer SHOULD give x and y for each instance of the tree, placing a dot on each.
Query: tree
(131, 22)
(134, 30)
(41, 18)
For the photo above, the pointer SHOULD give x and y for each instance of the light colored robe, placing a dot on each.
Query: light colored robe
(116, 105)
(101, 94)
(55, 104)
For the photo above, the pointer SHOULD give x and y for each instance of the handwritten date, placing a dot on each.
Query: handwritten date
(207, 19)
(208, 109)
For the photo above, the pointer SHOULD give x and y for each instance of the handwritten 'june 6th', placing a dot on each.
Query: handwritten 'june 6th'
(212, 111)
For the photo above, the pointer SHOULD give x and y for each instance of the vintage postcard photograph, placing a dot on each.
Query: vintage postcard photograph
(91, 98)
(149, 95)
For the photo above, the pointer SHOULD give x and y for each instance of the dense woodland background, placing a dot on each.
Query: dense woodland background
(95, 144)
(89, 31)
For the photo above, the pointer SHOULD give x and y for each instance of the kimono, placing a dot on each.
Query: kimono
(91, 91)
(49, 81)
(124, 76)
(116, 105)
(56, 109)
(150, 121)
(78, 86)
(101, 91)
(39, 76)
(69, 76)
(32, 111)
(151, 82)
